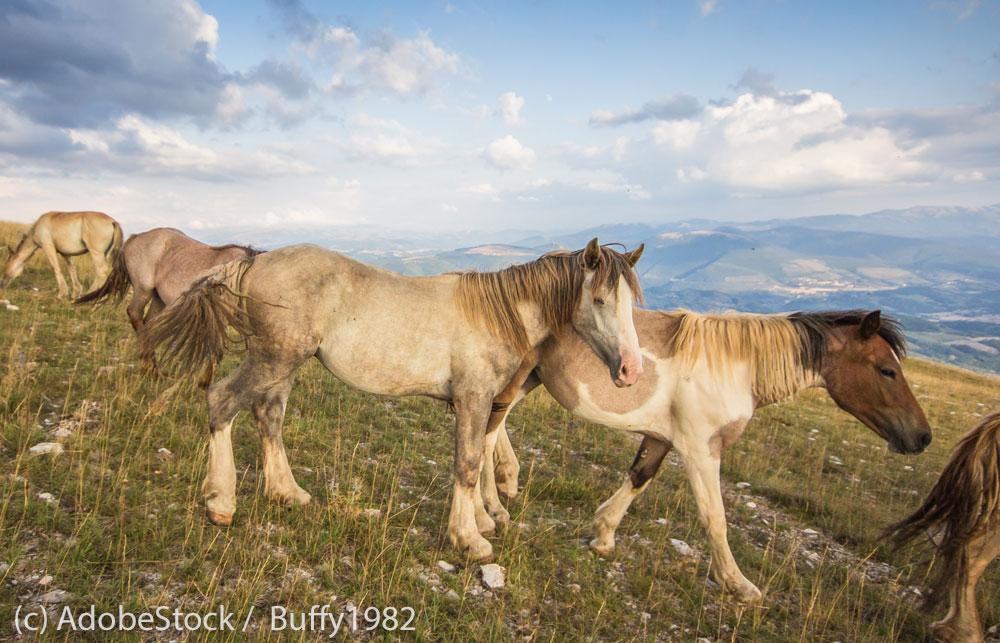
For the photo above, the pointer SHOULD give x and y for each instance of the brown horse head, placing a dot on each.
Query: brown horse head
(860, 363)
(603, 316)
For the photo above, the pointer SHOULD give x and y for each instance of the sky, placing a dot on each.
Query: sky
(494, 116)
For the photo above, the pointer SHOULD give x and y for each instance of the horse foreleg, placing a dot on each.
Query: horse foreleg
(703, 474)
(506, 468)
(609, 515)
(498, 445)
(53, 257)
(71, 271)
(269, 410)
(471, 415)
(962, 623)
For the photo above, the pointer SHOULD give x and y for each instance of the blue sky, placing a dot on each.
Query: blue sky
(494, 115)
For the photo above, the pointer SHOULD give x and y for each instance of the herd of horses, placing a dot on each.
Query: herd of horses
(483, 340)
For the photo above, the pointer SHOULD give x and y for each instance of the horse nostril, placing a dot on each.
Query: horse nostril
(624, 371)
(925, 440)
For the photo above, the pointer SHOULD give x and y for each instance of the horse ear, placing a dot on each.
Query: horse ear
(870, 324)
(592, 255)
(633, 257)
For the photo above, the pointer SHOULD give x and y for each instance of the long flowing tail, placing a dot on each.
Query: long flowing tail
(116, 285)
(964, 501)
(193, 329)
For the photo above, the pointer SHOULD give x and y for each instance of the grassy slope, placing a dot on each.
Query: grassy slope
(127, 522)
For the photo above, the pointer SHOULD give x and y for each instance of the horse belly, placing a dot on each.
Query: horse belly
(385, 370)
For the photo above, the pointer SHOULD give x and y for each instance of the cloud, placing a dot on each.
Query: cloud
(85, 64)
(706, 7)
(676, 107)
(136, 146)
(507, 153)
(509, 108)
(963, 10)
(401, 66)
(388, 141)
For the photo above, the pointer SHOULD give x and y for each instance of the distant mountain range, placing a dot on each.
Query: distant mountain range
(936, 268)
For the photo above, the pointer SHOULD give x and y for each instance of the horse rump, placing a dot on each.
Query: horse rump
(193, 330)
(963, 503)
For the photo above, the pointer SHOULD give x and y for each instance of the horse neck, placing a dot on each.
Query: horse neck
(535, 327)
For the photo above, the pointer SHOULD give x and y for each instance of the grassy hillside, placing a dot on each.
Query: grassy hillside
(123, 521)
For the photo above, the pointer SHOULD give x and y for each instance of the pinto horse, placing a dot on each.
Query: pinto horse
(159, 265)
(457, 337)
(67, 234)
(705, 377)
(963, 510)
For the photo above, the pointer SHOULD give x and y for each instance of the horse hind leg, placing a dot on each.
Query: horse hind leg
(134, 310)
(962, 621)
(101, 268)
(269, 410)
(609, 515)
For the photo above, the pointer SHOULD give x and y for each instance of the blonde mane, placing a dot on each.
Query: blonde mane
(553, 282)
(773, 346)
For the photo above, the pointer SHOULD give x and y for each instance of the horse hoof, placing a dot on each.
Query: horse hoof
(502, 519)
(602, 549)
(218, 518)
(480, 551)
(748, 595)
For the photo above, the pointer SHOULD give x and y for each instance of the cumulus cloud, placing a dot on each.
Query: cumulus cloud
(86, 64)
(138, 146)
(507, 153)
(676, 107)
(388, 141)
(400, 66)
(509, 108)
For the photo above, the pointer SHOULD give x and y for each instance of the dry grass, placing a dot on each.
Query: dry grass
(125, 520)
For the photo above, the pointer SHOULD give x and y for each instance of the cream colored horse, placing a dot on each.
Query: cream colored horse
(456, 337)
(705, 377)
(67, 234)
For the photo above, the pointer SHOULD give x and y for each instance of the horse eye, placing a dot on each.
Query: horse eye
(888, 372)
(598, 301)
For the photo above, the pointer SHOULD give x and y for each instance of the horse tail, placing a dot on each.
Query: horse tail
(194, 329)
(117, 283)
(964, 501)
(117, 240)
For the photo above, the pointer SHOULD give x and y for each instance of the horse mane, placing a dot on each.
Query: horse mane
(784, 350)
(817, 325)
(553, 282)
(249, 250)
(963, 503)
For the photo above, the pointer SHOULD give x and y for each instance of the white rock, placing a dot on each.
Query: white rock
(452, 594)
(45, 580)
(53, 448)
(742, 485)
(446, 566)
(751, 505)
(12, 307)
(907, 468)
(47, 497)
(55, 596)
(4, 302)
(492, 575)
(835, 460)
(809, 532)
(373, 513)
(660, 521)
(681, 547)
(62, 433)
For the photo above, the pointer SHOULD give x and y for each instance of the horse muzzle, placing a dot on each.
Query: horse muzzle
(629, 371)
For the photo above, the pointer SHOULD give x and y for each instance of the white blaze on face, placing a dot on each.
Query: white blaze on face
(628, 340)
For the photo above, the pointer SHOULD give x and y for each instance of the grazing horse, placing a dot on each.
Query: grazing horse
(457, 337)
(962, 512)
(705, 377)
(67, 234)
(159, 265)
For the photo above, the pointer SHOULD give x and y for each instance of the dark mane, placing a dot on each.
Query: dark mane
(815, 327)
(249, 250)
